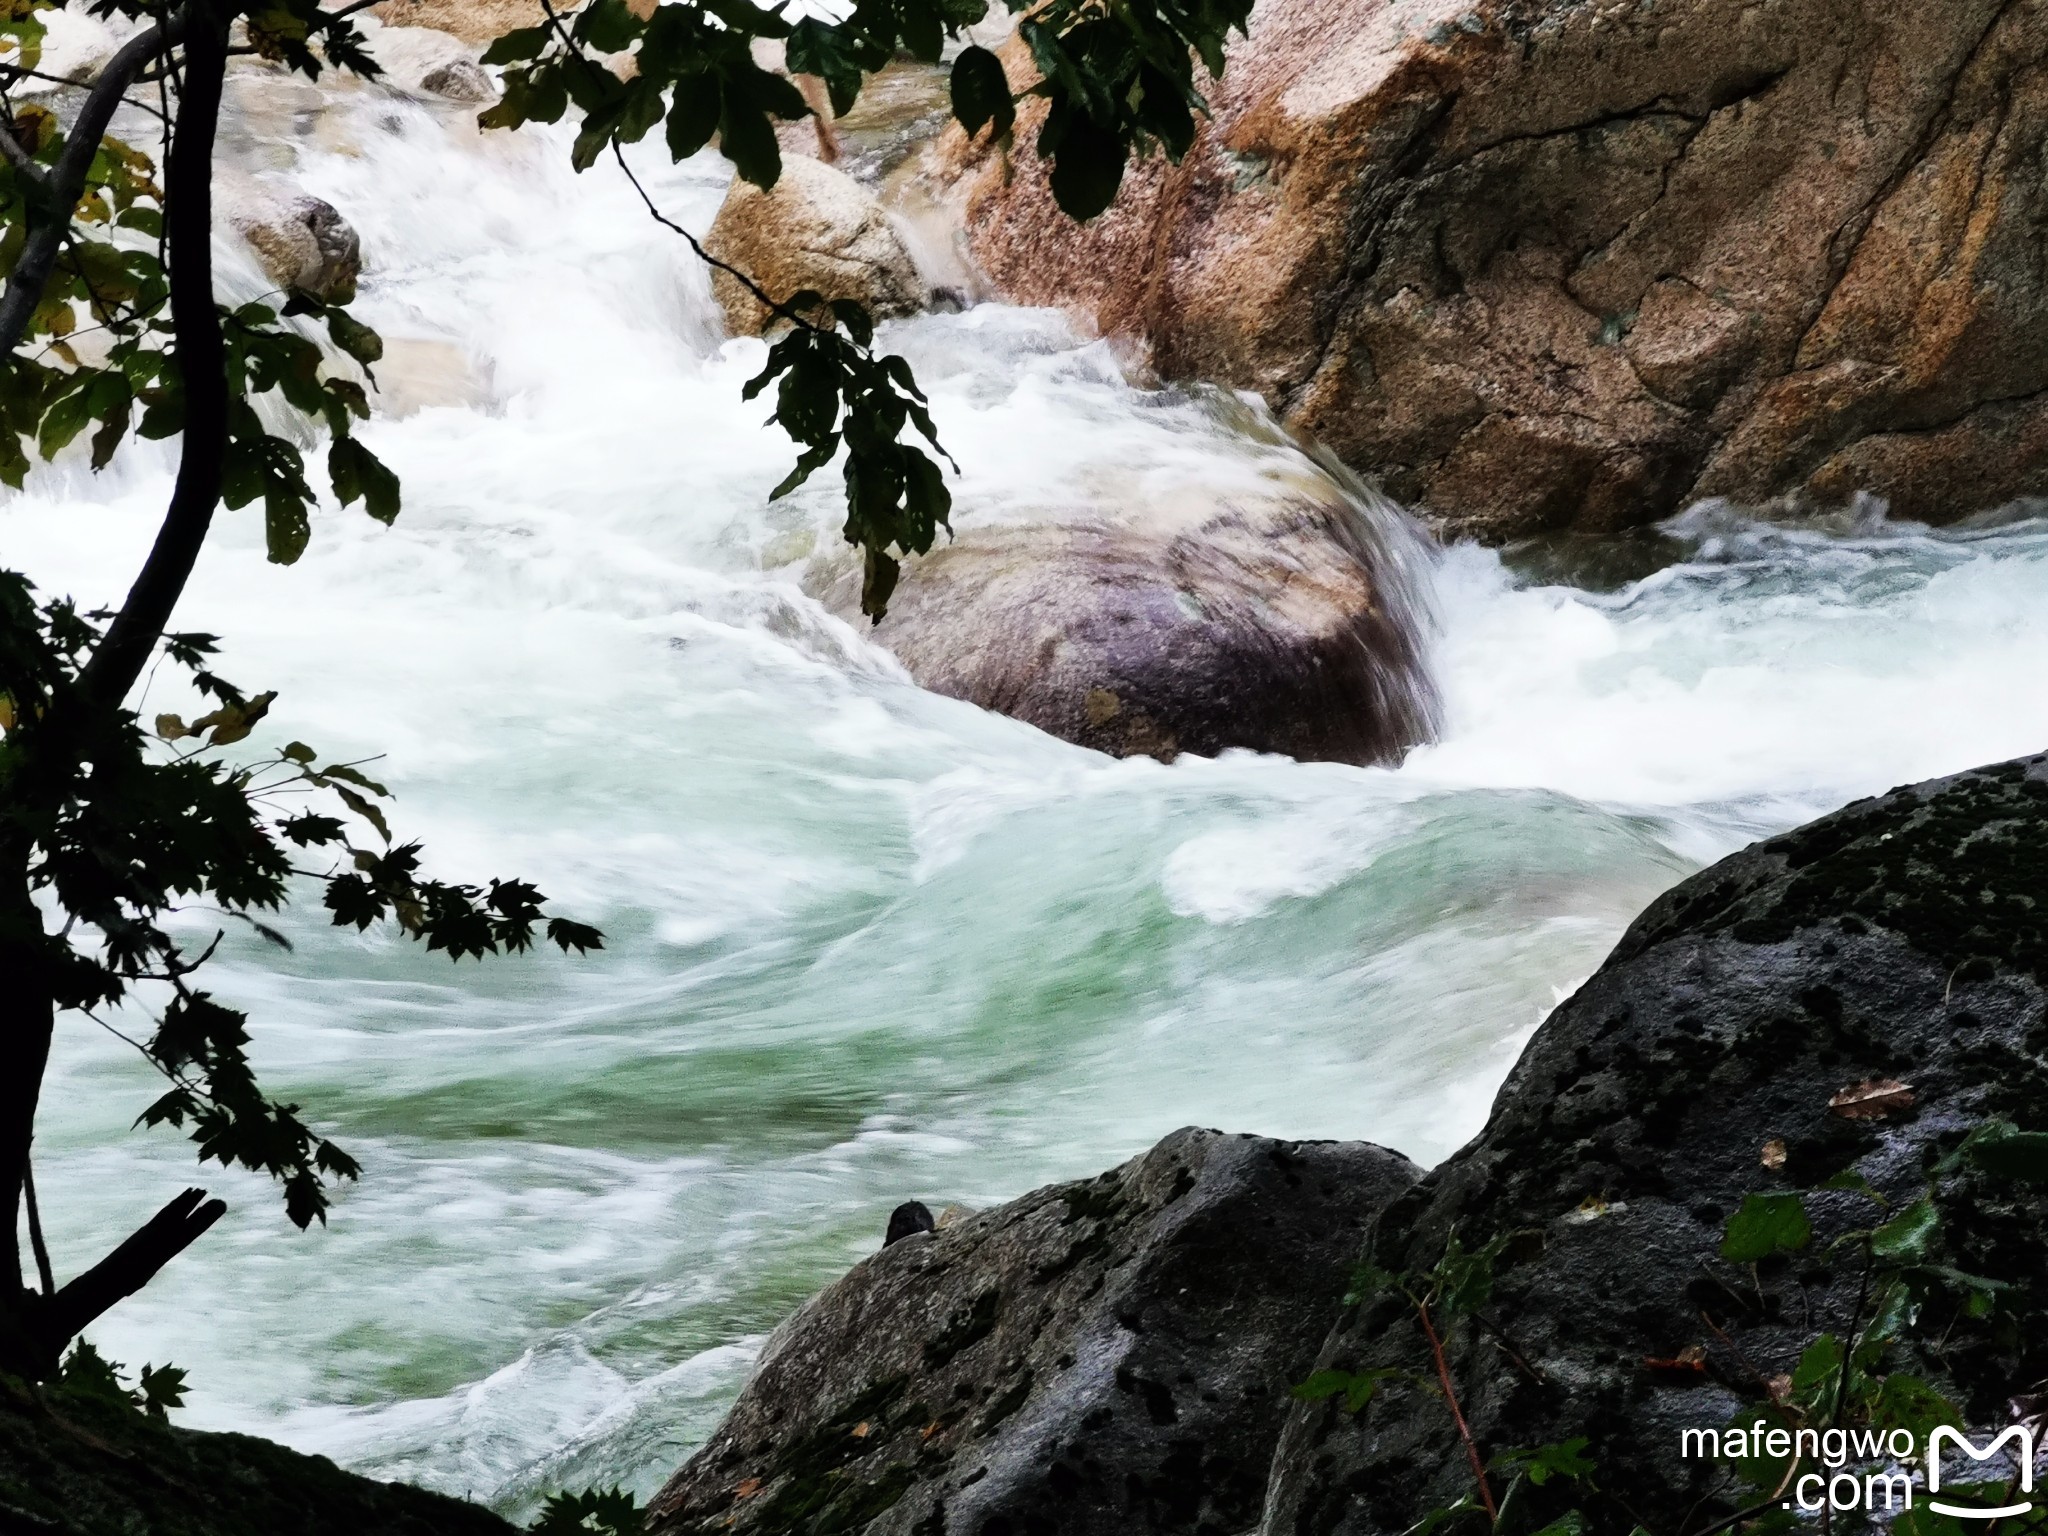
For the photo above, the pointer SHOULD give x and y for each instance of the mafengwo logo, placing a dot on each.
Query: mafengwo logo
(1891, 1467)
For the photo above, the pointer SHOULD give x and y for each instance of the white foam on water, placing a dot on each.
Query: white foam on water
(867, 944)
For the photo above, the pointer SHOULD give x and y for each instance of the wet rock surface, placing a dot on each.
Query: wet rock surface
(302, 242)
(1108, 1356)
(816, 229)
(1279, 625)
(1902, 939)
(1545, 264)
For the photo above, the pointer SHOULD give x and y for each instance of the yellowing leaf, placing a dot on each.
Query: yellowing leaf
(1872, 1100)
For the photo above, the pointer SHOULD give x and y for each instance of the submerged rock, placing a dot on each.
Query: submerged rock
(1853, 996)
(75, 1466)
(817, 228)
(1112, 1356)
(302, 242)
(1277, 624)
(1544, 264)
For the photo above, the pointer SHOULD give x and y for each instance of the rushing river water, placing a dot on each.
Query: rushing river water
(865, 943)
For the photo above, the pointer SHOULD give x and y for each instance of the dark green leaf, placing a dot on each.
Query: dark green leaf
(2010, 1154)
(518, 45)
(1356, 1389)
(285, 529)
(1906, 1236)
(693, 117)
(981, 92)
(1766, 1224)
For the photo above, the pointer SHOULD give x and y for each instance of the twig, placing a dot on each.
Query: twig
(1500, 1337)
(1849, 1348)
(1736, 1350)
(763, 295)
(783, 311)
(23, 72)
(1755, 1509)
(1443, 1375)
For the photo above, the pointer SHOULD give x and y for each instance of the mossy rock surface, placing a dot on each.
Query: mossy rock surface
(1899, 940)
(72, 1465)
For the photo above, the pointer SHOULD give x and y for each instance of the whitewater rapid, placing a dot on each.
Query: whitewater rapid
(866, 944)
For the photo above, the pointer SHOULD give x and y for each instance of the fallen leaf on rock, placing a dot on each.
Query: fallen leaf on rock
(747, 1489)
(1872, 1100)
(862, 1430)
(1692, 1359)
(1774, 1154)
(1592, 1208)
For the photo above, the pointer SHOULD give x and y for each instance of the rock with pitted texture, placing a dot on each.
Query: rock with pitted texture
(1279, 623)
(1842, 1004)
(1105, 1358)
(1548, 264)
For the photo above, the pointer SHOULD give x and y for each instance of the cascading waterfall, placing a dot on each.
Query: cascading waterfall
(866, 943)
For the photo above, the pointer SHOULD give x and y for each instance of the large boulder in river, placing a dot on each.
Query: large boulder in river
(1106, 1358)
(1844, 1002)
(816, 228)
(302, 242)
(1549, 263)
(1279, 623)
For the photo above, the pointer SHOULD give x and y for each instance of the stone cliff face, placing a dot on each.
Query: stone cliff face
(1545, 264)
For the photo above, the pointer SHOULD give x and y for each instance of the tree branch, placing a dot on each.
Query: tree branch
(129, 1267)
(35, 1229)
(65, 182)
(201, 359)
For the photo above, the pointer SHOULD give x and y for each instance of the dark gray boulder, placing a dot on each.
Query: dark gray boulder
(1904, 938)
(1278, 623)
(1112, 1356)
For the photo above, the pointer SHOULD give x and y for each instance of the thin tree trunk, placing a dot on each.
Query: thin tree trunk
(202, 366)
(34, 1329)
(24, 962)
